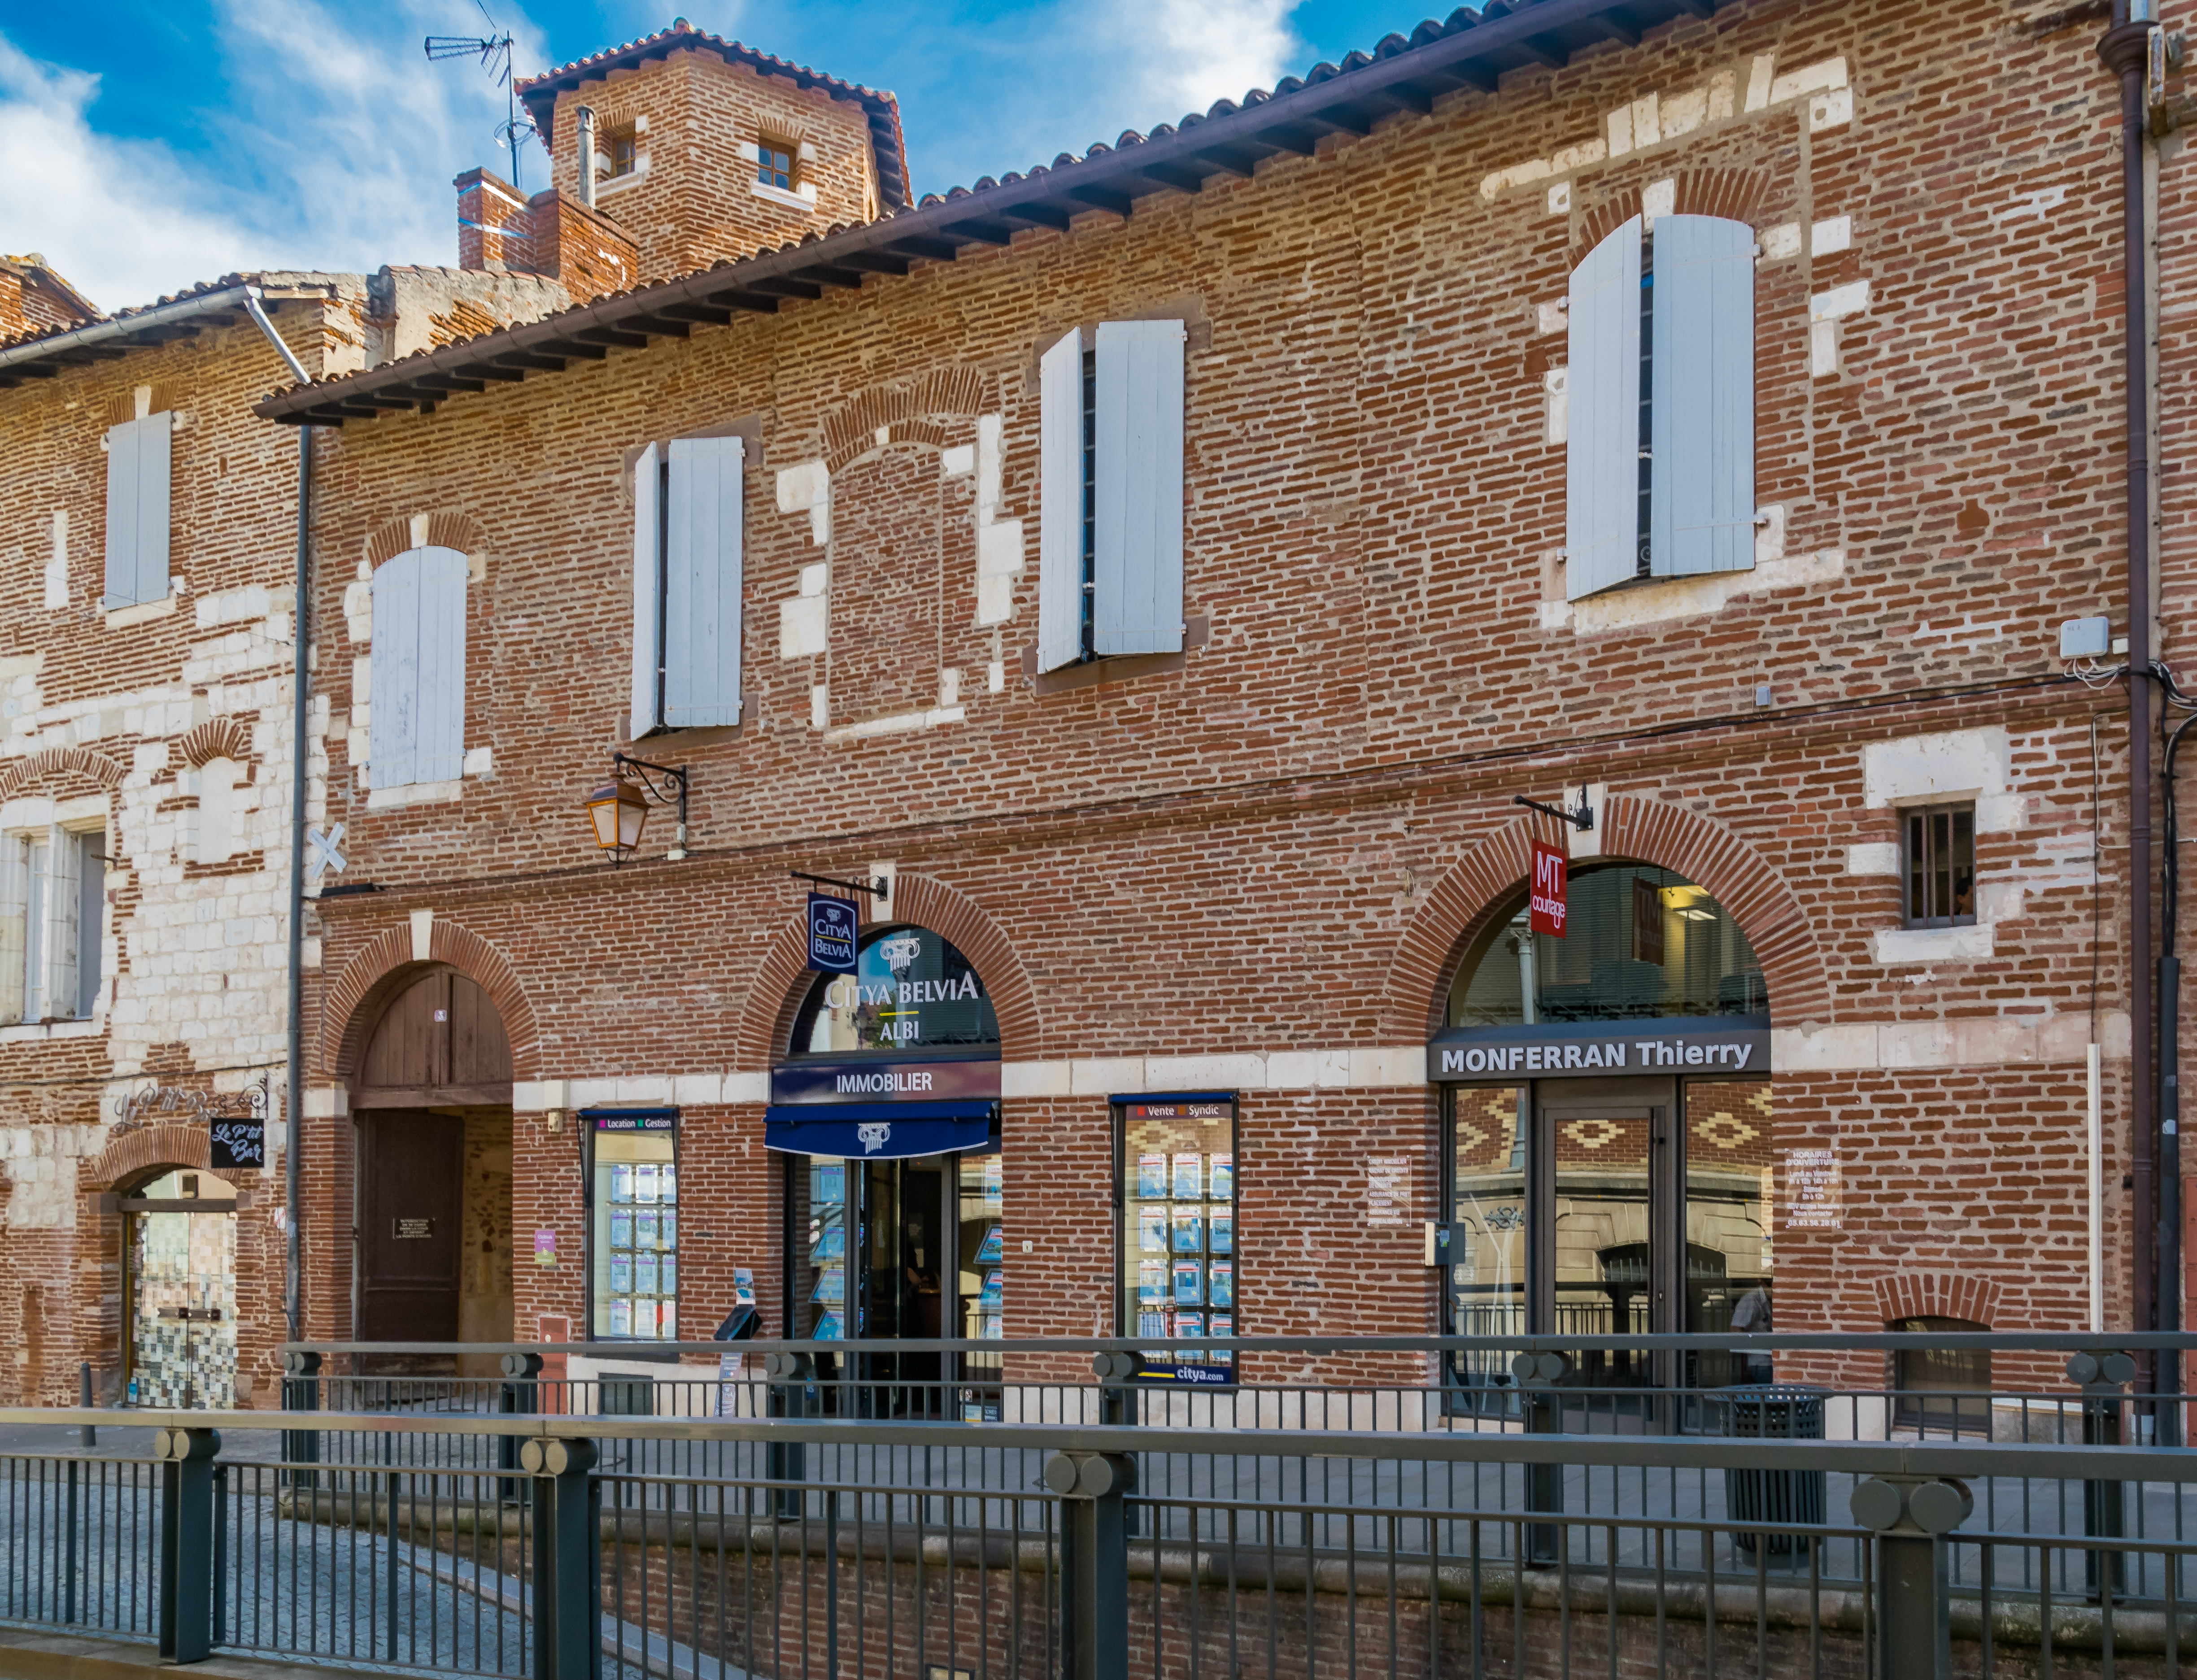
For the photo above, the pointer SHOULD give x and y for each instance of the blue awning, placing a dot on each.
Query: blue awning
(878, 1130)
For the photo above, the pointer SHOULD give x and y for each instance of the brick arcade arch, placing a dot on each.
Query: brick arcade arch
(1650, 830)
(779, 984)
(136, 1154)
(354, 1002)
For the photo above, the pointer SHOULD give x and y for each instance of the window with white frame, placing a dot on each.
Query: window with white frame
(1660, 460)
(1110, 493)
(688, 501)
(137, 466)
(53, 888)
(416, 677)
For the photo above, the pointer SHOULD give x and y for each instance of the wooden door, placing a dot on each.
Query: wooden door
(410, 1173)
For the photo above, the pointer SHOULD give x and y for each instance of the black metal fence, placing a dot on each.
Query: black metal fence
(444, 1532)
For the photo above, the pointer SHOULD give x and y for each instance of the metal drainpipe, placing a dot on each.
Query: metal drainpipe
(2124, 50)
(585, 117)
(301, 763)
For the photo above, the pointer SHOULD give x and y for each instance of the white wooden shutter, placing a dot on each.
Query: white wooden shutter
(1702, 494)
(441, 706)
(392, 734)
(1060, 505)
(14, 909)
(647, 593)
(62, 893)
(37, 870)
(1601, 459)
(91, 923)
(137, 460)
(1138, 572)
(153, 462)
(702, 582)
(122, 450)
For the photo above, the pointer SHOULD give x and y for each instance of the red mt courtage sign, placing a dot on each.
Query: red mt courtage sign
(1547, 902)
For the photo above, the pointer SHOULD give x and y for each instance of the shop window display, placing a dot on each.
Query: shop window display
(1179, 1259)
(635, 1237)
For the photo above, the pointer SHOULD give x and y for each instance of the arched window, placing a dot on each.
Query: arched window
(911, 992)
(416, 680)
(1660, 404)
(1641, 942)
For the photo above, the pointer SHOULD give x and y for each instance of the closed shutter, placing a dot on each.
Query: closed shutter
(441, 706)
(61, 893)
(1138, 572)
(392, 734)
(1703, 483)
(702, 582)
(138, 453)
(647, 713)
(37, 872)
(14, 909)
(1060, 505)
(91, 923)
(154, 453)
(1602, 458)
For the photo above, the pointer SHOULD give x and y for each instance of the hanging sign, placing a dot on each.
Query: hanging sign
(1546, 901)
(237, 1143)
(832, 934)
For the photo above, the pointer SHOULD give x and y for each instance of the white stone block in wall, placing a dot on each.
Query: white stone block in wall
(1103, 1078)
(1873, 857)
(1033, 1079)
(1895, 945)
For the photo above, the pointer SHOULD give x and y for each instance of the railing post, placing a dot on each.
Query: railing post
(89, 1437)
(1094, 1562)
(1538, 1375)
(568, 1554)
(1911, 1515)
(520, 1396)
(2105, 1503)
(301, 1391)
(186, 1459)
(790, 1375)
(1117, 1400)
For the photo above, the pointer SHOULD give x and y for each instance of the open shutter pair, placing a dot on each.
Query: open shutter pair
(1700, 432)
(1130, 561)
(416, 680)
(138, 465)
(687, 582)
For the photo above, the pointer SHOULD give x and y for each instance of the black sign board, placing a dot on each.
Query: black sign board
(238, 1142)
(834, 933)
(412, 1230)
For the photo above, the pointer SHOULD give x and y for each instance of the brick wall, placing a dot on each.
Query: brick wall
(1237, 854)
(693, 202)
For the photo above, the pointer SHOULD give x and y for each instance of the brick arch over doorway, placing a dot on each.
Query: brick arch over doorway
(781, 983)
(1937, 1294)
(135, 1153)
(1649, 829)
(354, 1003)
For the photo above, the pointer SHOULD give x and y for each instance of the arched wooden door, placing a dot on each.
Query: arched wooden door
(433, 1110)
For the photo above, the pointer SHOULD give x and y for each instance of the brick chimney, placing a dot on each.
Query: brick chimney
(553, 234)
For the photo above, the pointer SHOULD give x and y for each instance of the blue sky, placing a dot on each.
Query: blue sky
(183, 139)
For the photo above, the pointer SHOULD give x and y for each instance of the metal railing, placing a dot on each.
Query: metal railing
(445, 1533)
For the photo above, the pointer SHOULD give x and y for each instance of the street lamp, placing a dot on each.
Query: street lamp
(620, 809)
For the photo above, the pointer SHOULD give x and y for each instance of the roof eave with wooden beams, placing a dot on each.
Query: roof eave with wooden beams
(1404, 76)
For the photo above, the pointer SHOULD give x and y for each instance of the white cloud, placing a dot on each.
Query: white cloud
(116, 217)
(1181, 55)
(336, 149)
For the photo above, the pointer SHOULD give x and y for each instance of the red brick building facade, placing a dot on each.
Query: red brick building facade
(1245, 841)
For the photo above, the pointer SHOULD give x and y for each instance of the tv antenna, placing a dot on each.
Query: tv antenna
(493, 50)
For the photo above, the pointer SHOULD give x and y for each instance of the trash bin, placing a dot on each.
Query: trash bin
(1774, 1412)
